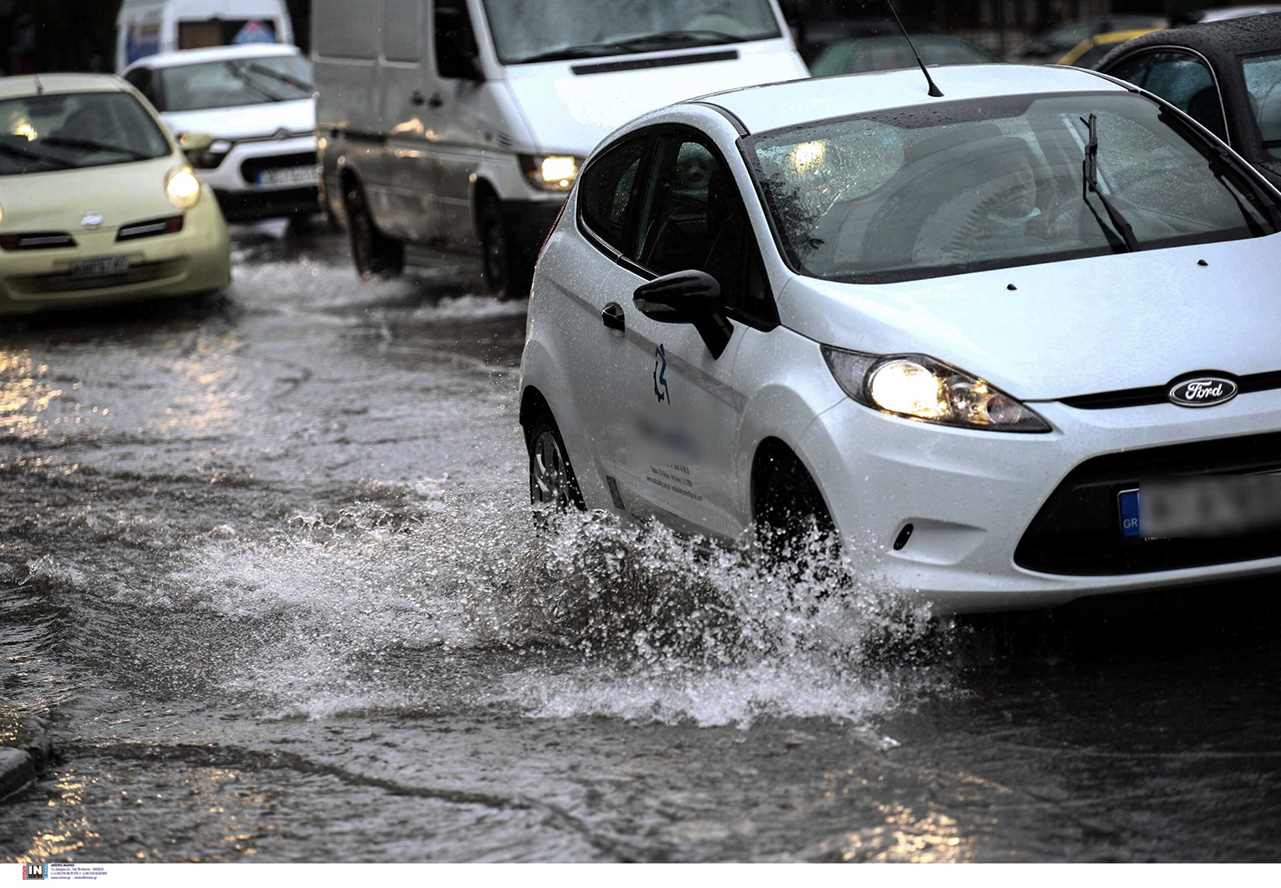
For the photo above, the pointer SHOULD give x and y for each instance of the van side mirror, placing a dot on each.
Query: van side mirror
(688, 297)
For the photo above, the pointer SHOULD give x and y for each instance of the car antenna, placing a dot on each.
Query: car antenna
(39, 85)
(934, 91)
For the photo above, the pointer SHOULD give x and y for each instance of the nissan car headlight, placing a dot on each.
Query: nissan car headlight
(921, 388)
(554, 172)
(182, 188)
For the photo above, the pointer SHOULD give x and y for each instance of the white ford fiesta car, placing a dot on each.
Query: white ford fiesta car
(1014, 344)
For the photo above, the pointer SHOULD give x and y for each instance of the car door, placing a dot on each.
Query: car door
(676, 410)
(411, 209)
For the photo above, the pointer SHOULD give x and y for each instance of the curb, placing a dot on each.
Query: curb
(17, 771)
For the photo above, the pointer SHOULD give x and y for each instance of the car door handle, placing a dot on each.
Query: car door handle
(417, 98)
(435, 101)
(613, 318)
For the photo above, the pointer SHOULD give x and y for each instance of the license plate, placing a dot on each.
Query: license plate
(99, 265)
(303, 175)
(1204, 506)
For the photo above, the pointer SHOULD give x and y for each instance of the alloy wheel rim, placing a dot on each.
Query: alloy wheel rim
(547, 471)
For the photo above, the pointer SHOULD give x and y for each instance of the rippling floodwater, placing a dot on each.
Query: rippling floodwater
(270, 588)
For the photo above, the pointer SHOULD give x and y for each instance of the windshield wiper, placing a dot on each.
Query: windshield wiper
(660, 40)
(257, 87)
(291, 82)
(90, 145)
(28, 155)
(680, 38)
(1090, 182)
(581, 51)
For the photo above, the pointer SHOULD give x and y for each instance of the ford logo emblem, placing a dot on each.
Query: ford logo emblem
(1202, 391)
(91, 220)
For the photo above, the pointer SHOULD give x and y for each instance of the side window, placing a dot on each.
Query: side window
(608, 190)
(693, 218)
(400, 30)
(1133, 69)
(455, 41)
(1184, 81)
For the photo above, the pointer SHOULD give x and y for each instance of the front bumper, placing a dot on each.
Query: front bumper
(195, 260)
(972, 496)
(266, 177)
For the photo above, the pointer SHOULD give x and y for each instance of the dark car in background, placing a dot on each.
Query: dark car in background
(1226, 75)
(1053, 44)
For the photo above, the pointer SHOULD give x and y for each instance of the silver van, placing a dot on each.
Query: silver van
(461, 124)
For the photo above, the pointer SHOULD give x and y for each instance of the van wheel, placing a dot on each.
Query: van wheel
(374, 254)
(501, 262)
(552, 483)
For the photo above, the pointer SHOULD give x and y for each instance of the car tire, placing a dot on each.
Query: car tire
(790, 508)
(373, 253)
(503, 266)
(552, 483)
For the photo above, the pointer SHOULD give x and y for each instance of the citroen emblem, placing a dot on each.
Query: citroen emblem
(92, 221)
(281, 134)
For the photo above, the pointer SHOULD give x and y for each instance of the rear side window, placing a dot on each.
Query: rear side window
(608, 191)
(1263, 83)
(1183, 80)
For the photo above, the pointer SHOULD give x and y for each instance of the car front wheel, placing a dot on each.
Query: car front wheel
(552, 484)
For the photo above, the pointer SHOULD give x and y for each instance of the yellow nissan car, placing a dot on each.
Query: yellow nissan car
(97, 201)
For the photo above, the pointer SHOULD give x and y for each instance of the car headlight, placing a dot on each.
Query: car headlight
(921, 388)
(1, 212)
(554, 172)
(182, 188)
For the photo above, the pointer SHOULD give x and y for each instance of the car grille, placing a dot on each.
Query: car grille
(50, 240)
(1160, 394)
(50, 284)
(1078, 530)
(150, 228)
(255, 165)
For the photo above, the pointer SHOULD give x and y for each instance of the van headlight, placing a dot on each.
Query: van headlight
(553, 172)
(182, 188)
(921, 388)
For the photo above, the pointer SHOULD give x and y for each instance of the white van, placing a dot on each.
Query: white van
(147, 27)
(462, 123)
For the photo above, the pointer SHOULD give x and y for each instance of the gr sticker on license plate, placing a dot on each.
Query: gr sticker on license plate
(1129, 503)
(99, 265)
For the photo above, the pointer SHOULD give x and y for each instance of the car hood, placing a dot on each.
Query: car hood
(1052, 331)
(572, 112)
(59, 200)
(246, 121)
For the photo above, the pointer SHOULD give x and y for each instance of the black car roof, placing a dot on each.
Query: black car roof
(1220, 42)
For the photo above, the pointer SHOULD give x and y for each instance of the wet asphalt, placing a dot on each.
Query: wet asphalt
(270, 590)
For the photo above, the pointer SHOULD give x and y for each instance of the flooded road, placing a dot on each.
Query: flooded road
(270, 589)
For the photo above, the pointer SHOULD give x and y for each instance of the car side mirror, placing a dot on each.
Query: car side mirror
(194, 143)
(688, 297)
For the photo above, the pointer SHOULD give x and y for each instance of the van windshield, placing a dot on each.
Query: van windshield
(575, 29)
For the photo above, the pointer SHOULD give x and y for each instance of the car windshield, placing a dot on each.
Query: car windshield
(66, 131)
(233, 82)
(967, 186)
(1263, 82)
(570, 29)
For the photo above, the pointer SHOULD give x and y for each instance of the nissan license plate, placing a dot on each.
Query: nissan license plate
(99, 265)
(1202, 506)
(303, 175)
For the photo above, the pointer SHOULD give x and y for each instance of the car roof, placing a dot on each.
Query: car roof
(1220, 42)
(779, 105)
(32, 84)
(214, 54)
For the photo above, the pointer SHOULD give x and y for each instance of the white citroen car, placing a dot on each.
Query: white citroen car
(1015, 344)
(258, 103)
